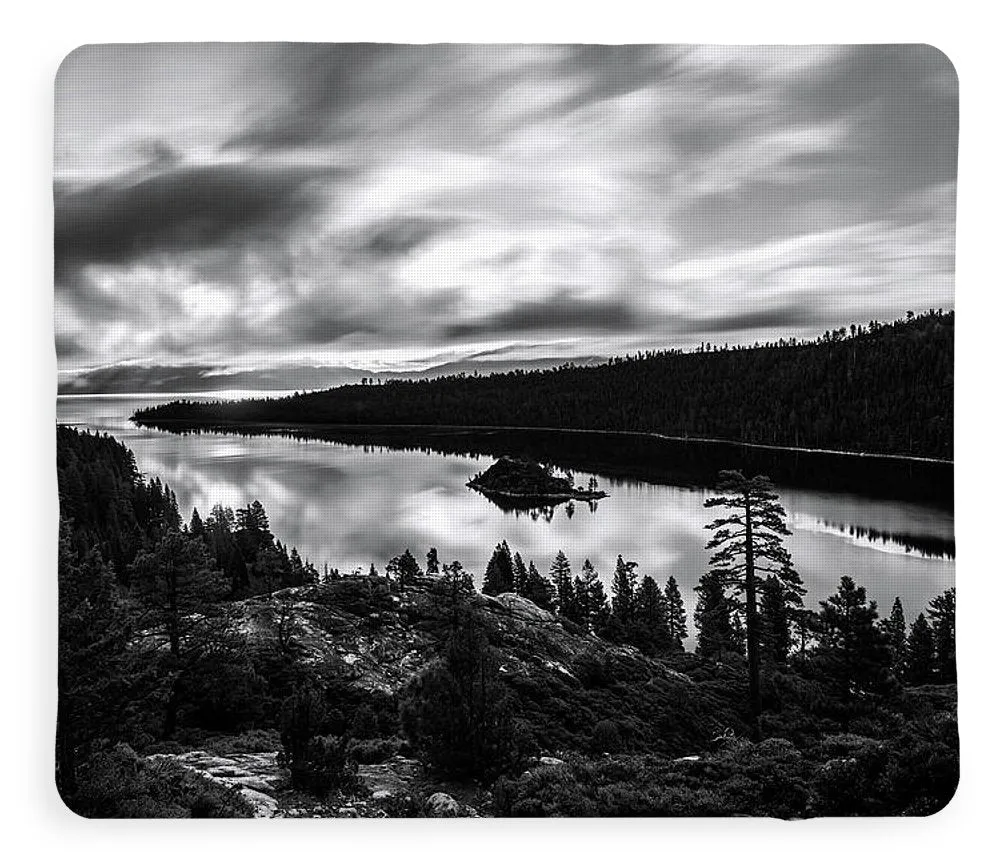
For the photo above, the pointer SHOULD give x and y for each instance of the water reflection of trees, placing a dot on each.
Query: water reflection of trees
(931, 546)
(631, 459)
(582, 454)
(540, 509)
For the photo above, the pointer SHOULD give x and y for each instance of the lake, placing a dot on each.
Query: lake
(350, 505)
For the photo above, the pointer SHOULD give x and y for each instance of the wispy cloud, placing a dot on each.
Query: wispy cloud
(382, 205)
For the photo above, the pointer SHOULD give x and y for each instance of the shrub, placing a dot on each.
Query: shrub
(375, 751)
(364, 725)
(323, 766)
(246, 743)
(606, 737)
(458, 711)
(117, 783)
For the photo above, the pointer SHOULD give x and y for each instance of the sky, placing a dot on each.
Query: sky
(267, 215)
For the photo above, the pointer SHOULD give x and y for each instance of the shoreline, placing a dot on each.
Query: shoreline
(272, 427)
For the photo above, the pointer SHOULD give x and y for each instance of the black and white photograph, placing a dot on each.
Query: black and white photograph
(456, 430)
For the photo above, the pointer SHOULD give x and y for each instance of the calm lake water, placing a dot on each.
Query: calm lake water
(349, 506)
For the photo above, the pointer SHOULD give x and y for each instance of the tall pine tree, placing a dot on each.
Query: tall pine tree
(748, 544)
(853, 649)
(561, 574)
(941, 612)
(623, 588)
(894, 628)
(713, 617)
(674, 616)
(591, 599)
(537, 587)
(920, 653)
(520, 575)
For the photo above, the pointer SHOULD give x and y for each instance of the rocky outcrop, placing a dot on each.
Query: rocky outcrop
(380, 635)
(255, 777)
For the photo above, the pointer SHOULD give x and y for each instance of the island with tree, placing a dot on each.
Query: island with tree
(525, 482)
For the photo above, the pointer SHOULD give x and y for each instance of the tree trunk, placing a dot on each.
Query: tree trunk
(753, 629)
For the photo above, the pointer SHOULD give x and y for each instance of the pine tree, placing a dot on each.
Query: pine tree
(853, 647)
(713, 617)
(499, 571)
(197, 528)
(520, 575)
(805, 626)
(433, 566)
(409, 570)
(746, 543)
(649, 603)
(403, 568)
(538, 588)
(941, 612)
(920, 653)
(100, 662)
(591, 599)
(623, 588)
(895, 632)
(561, 574)
(776, 632)
(181, 592)
(674, 616)
(647, 631)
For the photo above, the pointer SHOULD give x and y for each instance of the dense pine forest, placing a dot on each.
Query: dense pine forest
(878, 388)
(205, 670)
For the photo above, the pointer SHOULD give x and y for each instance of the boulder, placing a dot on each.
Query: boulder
(511, 604)
(441, 805)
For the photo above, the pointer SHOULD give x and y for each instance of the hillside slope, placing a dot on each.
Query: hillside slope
(887, 389)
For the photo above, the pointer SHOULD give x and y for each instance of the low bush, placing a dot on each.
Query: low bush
(246, 743)
(375, 751)
(117, 783)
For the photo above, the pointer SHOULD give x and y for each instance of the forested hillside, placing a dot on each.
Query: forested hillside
(543, 694)
(882, 388)
(106, 504)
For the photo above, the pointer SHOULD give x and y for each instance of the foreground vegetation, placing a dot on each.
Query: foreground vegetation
(540, 695)
(876, 388)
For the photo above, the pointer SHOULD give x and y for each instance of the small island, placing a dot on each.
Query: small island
(513, 479)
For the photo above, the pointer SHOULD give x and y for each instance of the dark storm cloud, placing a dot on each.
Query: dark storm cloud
(782, 317)
(178, 211)
(559, 313)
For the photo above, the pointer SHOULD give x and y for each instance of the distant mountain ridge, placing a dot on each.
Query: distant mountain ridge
(880, 388)
(185, 379)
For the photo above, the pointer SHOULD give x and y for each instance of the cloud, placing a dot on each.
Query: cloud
(560, 312)
(396, 206)
(784, 316)
(180, 210)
